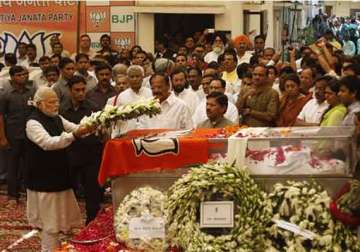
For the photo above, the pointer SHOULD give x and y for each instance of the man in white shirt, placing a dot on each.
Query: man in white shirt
(218, 45)
(174, 113)
(219, 85)
(22, 59)
(178, 81)
(314, 109)
(121, 84)
(84, 47)
(54, 40)
(134, 93)
(307, 77)
(232, 114)
(194, 79)
(40, 79)
(349, 94)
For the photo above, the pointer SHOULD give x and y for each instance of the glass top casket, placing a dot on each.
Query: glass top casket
(324, 154)
(294, 151)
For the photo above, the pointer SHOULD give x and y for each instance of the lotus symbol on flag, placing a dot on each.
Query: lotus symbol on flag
(156, 146)
(10, 40)
(97, 18)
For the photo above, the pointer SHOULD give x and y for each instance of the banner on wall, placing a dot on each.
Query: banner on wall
(35, 21)
(110, 17)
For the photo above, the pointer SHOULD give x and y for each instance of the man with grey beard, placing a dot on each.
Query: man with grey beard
(51, 203)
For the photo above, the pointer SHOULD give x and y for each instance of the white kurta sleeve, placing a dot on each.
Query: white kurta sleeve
(186, 120)
(232, 113)
(199, 114)
(69, 126)
(38, 135)
(302, 113)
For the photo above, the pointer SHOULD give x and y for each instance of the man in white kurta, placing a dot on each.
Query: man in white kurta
(174, 112)
(178, 81)
(134, 93)
(51, 203)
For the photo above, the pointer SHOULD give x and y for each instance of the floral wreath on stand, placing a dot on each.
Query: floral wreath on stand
(306, 205)
(144, 201)
(225, 182)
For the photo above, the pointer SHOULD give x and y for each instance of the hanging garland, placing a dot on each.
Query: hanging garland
(251, 213)
(141, 202)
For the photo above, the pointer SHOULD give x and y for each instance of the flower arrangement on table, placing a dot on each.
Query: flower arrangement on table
(203, 183)
(107, 117)
(306, 205)
(144, 201)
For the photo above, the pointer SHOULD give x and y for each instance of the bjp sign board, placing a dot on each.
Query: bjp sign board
(122, 21)
(35, 21)
(113, 20)
(123, 39)
(122, 27)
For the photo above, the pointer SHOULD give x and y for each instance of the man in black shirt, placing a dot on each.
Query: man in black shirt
(15, 107)
(106, 51)
(85, 154)
(103, 91)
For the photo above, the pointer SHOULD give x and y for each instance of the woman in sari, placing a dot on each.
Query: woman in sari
(292, 102)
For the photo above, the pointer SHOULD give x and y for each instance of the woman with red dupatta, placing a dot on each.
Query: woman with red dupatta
(292, 102)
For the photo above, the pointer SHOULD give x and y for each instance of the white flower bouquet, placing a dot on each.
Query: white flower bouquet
(203, 183)
(144, 201)
(111, 114)
(306, 205)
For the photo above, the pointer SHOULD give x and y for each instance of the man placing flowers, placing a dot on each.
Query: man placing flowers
(51, 203)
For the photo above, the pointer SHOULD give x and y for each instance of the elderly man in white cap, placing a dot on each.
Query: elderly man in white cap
(51, 203)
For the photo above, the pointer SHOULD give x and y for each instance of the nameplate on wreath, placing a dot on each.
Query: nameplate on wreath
(217, 214)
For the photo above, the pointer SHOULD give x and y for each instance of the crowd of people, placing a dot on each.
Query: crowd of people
(207, 81)
(346, 31)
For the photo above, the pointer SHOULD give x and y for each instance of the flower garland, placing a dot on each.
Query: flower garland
(110, 114)
(139, 202)
(350, 201)
(306, 205)
(251, 214)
